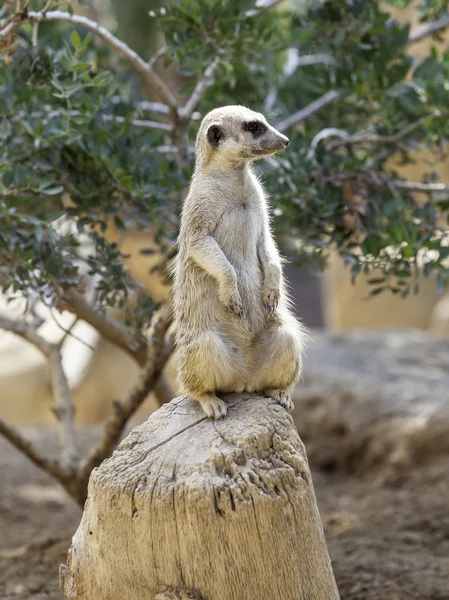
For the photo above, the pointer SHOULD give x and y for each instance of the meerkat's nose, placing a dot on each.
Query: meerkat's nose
(284, 140)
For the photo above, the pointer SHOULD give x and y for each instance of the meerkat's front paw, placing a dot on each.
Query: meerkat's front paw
(281, 397)
(213, 407)
(270, 298)
(232, 302)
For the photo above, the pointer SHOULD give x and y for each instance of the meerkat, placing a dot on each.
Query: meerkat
(234, 330)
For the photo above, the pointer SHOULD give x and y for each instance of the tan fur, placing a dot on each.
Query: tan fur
(234, 329)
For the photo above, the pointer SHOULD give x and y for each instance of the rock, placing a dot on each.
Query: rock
(372, 398)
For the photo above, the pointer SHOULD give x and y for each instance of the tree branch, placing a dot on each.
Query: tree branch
(416, 186)
(170, 149)
(47, 6)
(261, 6)
(137, 347)
(27, 448)
(371, 138)
(156, 107)
(68, 332)
(7, 27)
(122, 336)
(34, 35)
(308, 111)
(384, 180)
(63, 410)
(325, 133)
(109, 328)
(28, 333)
(429, 29)
(144, 124)
(158, 355)
(311, 59)
(156, 56)
(59, 384)
(126, 52)
(295, 61)
(200, 89)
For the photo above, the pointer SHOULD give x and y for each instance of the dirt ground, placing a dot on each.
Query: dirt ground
(388, 533)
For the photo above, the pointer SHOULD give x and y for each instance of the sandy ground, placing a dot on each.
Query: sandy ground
(388, 535)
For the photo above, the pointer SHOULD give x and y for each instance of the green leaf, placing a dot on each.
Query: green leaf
(377, 291)
(81, 66)
(75, 39)
(5, 129)
(86, 41)
(407, 252)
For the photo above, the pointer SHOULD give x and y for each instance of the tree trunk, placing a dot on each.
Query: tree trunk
(189, 508)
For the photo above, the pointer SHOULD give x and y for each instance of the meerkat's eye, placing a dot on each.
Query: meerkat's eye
(214, 135)
(256, 128)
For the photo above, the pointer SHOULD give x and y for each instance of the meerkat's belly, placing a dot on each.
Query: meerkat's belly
(238, 234)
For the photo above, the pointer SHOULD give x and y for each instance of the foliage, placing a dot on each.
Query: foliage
(72, 153)
(64, 157)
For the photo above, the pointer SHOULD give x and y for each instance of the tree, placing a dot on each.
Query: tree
(83, 146)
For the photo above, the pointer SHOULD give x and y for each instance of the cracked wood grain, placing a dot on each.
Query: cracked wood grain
(188, 508)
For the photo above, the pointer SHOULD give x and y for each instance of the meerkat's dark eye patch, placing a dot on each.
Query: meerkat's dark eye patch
(214, 135)
(256, 128)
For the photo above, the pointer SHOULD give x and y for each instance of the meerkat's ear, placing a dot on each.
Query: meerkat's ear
(214, 135)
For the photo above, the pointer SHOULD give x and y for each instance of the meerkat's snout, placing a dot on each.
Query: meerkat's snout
(283, 139)
(275, 141)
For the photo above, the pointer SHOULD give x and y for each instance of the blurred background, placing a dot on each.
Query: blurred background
(327, 300)
(373, 404)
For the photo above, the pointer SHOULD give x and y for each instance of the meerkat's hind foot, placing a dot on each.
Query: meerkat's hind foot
(281, 397)
(212, 406)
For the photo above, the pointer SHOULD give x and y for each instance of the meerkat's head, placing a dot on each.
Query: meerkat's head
(235, 134)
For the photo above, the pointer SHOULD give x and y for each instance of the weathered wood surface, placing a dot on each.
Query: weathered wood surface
(188, 508)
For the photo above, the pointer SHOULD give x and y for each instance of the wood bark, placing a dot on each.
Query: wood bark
(189, 508)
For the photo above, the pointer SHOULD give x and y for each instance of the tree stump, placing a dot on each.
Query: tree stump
(189, 508)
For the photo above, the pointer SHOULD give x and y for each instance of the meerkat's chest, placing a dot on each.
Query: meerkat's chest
(239, 228)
